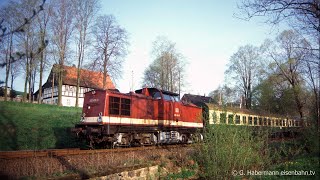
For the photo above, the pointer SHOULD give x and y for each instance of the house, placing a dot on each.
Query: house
(2, 91)
(196, 99)
(89, 80)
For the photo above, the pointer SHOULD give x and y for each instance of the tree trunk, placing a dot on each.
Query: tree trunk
(78, 84)
(318, 95)
(29, 80)
(42, 59)
(60, 78)
(8, 59)
(105, 63)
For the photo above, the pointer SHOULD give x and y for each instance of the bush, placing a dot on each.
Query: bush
(310, 136)
(229, 148)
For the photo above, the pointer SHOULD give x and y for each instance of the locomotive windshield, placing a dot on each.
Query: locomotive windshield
(169, 97)
(158, 94)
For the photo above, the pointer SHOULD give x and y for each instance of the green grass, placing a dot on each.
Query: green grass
(25, 126)
(304, 167)
(184, 174)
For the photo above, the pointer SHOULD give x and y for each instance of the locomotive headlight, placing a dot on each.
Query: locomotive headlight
(82, 117)
(100, 117)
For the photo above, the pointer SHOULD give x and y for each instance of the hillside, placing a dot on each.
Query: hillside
(25, 126)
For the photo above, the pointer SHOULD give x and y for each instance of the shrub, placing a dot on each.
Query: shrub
(229, 148)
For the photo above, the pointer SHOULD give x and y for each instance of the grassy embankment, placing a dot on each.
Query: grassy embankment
(27, 126)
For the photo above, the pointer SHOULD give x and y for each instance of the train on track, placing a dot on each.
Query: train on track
(150, 116)
(145, 117)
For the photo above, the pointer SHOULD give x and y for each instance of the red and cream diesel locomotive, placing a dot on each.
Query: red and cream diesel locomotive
(145, 117)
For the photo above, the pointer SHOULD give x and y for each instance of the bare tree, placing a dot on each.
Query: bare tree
(84, 15)
(8, 54)
(17, 21)
(8, 23)
(14, 73)
(43, 22)
(111, 43)
(244, 68)
(5, 31)
(29, 43)
(167, 70)
(62, 25)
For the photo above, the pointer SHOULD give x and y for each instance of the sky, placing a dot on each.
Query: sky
(206, 33)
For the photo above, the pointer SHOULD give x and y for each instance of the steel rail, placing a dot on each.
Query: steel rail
(76, 151)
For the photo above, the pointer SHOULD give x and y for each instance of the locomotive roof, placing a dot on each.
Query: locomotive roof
(156, 89)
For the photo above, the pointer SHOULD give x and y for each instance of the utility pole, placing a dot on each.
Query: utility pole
(132, 84)
(52, 89)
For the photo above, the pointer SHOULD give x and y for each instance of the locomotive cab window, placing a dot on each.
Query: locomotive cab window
(156, 95)
(125, 107)
(119, 106)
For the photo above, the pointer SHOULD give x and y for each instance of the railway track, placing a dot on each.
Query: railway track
(75, 151)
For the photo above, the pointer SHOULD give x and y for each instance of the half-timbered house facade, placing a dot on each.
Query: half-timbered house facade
(89, 80)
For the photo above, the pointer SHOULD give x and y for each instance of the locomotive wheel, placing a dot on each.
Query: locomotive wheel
(184, 139)
(196, 138)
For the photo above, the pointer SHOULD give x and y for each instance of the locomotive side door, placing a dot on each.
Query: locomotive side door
(158, 97)
(169, 108)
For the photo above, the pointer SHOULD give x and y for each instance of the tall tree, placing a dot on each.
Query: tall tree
(244, 68)
(84, 15)
(21, 15)
(274, 95)
(111, 43)
(62, 25)
(7, 41)
(288, 63)
(43, 22)
(304, 16)
(167, 70)
(27, 42)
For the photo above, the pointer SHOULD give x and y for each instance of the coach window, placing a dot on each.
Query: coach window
(237, 119)
(269, 122)
(250, 120)
(223, 117)
(230, 119)
(255, 120)
(244, 120)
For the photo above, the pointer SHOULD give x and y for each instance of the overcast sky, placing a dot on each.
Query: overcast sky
(206, 33)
